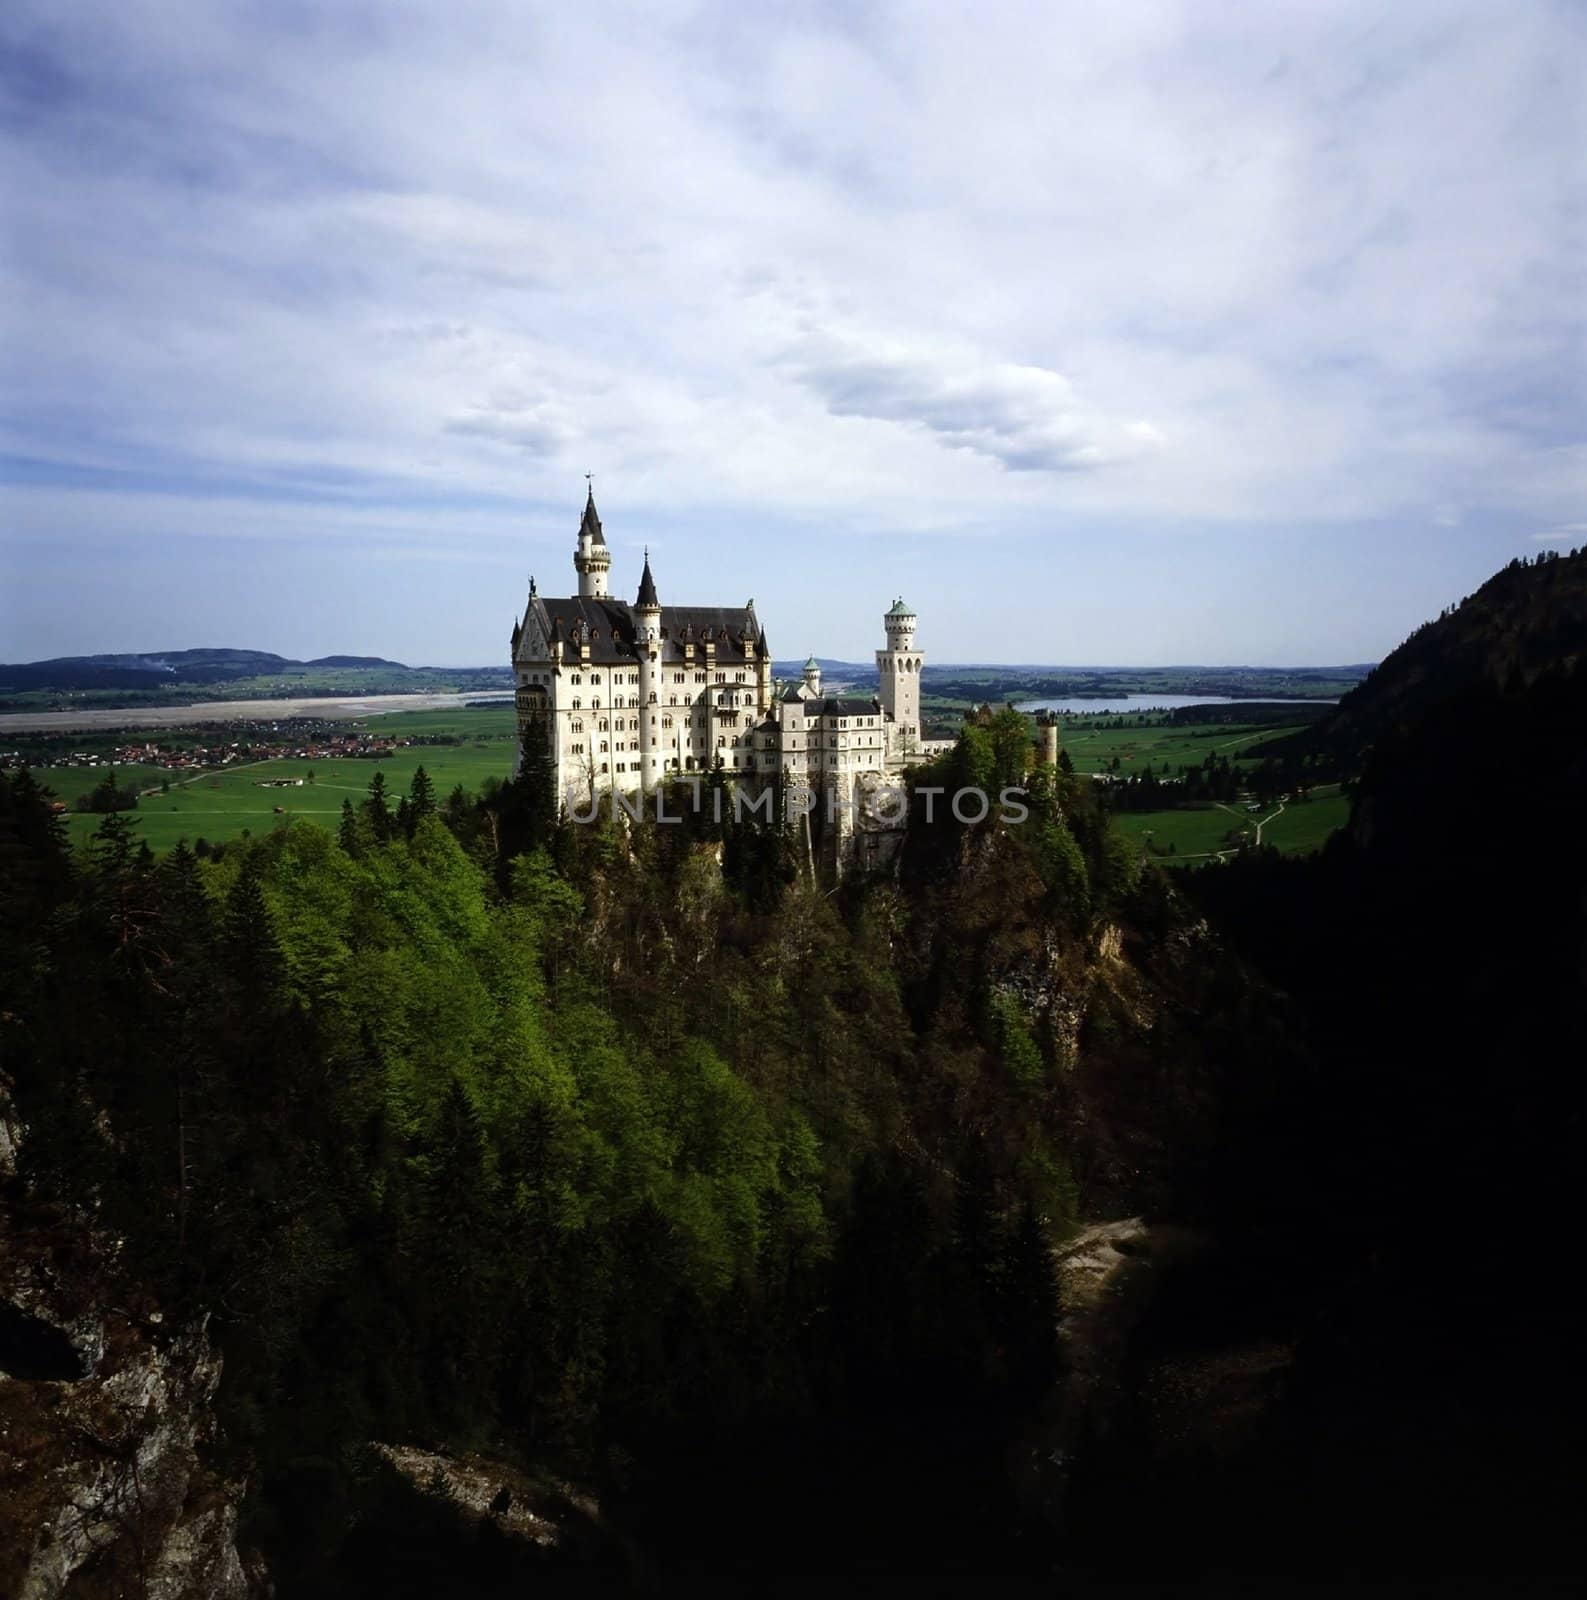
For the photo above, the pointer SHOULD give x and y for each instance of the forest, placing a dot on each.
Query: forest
(637, 1158)
(587, 1143)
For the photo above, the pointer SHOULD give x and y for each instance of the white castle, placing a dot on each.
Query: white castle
(630, 696)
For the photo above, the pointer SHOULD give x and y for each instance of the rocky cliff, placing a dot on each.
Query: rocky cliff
(106, 1488)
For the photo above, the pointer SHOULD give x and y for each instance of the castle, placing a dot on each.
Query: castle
(628, 697)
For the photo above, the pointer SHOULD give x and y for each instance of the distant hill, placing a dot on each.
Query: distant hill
(177, 677)
(971, 682)
(154, 669)
(355, 661)
(1526, 620)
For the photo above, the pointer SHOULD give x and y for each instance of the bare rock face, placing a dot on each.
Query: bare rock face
(105, 1420)
(477, 1488)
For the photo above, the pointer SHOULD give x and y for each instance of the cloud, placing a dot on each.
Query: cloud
(1036, 269)
(1025, 418)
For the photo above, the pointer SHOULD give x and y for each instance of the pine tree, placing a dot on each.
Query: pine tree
(421, 796)
(112, 845)
(378, 809)
(250, 952)
(347, 832)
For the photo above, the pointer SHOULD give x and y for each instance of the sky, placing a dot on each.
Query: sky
(1129, 333)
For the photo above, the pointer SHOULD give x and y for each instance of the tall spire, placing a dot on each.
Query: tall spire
(591, 560)
(647, 586)
(592, 522)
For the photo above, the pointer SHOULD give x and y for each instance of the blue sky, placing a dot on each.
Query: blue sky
(1133, 333)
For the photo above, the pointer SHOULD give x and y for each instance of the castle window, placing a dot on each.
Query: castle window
(604, 747)
(575, 702)
(605, 767)
(666, 722)
(577, 678)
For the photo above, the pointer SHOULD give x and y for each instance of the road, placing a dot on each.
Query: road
(1270, 817)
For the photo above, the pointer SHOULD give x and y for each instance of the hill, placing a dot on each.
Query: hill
(154, 668)
(1426, 1168)
(1527, 619)
(180, 677)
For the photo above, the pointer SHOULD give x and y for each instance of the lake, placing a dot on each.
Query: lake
(1157, 702)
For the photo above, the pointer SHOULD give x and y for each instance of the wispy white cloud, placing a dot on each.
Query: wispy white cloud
(1026, 418)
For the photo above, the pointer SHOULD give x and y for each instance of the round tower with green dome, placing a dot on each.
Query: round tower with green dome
(898, 667)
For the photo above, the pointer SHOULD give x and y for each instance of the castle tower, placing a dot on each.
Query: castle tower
(898, 666)
(1047, 738)
(762, 662)
(592, 559)
(647, 641)
(812, 679)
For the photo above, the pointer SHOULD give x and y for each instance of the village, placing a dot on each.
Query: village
(202, 751)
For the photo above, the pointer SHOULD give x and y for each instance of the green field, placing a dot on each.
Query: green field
(1092, 743)
(1201, 831)
(226, 803)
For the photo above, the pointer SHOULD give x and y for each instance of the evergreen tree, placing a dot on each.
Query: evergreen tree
(347, 830)
(377, 810)
(421, 796)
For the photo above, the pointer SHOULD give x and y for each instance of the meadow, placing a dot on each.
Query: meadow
(1094, 741)
(228, 802)
(1195, 833)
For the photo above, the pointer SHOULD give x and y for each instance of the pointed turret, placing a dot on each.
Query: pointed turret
(647, 589)
(591, 524)
(592, 560)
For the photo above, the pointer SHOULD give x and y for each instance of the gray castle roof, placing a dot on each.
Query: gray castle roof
(836, 705)
(611, 628)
